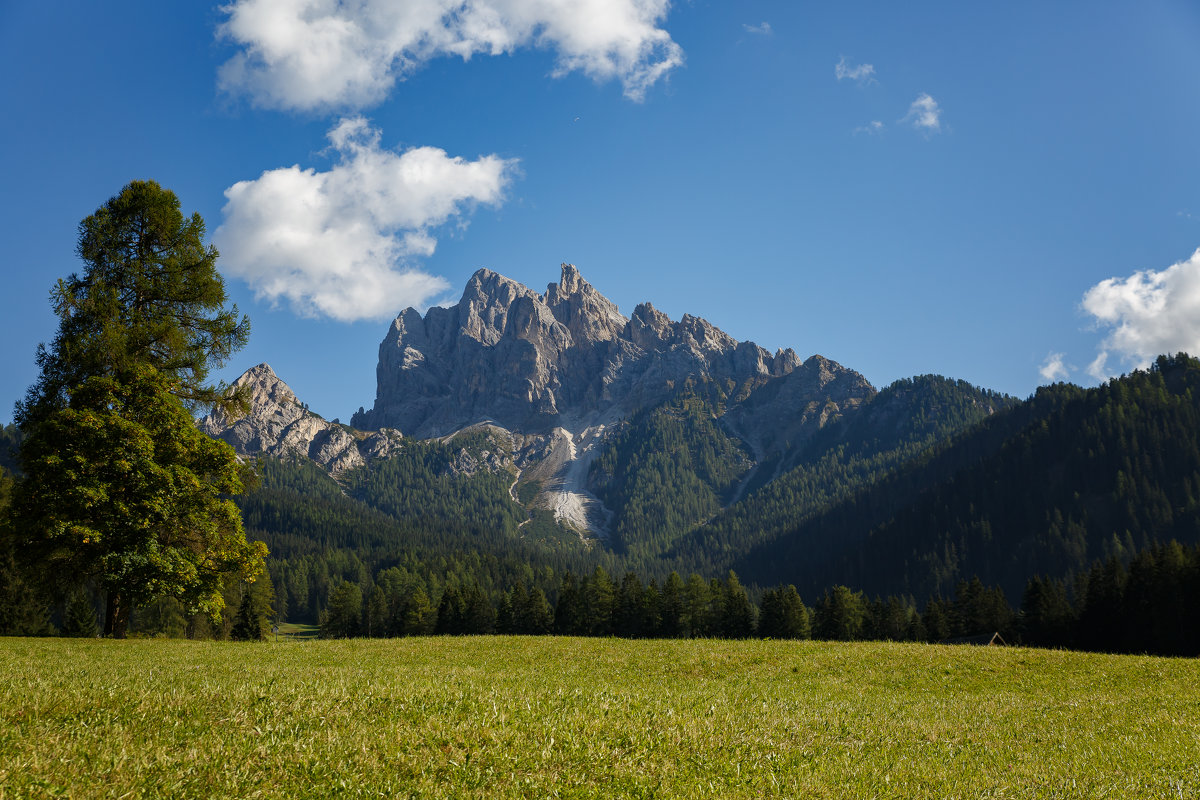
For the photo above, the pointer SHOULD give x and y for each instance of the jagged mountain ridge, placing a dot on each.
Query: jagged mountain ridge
(528, 362)
(809, 476)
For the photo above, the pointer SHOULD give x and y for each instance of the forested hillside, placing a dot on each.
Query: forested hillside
(902, 422)
(1048, 520)
(1069, 477)
(666, 475)
(668, 470)
(412, 512)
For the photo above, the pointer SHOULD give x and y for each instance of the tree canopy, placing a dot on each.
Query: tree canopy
(150, 294)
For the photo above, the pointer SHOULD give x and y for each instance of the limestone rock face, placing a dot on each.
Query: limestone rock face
(278, 424)
(588, 315)
(528, 362)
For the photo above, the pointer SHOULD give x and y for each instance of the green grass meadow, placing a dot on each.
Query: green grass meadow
(564, 717)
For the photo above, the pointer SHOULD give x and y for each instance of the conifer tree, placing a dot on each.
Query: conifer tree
(377, 613)
(628, 613)
(1046, 615)
(736, 610)
(783, 616)
(841, 615)
(599, 597)
(344, 615)
(672, 607)
(419, 616)
(150, 294)
(245, 624)
(570, 614)
(118, 484)
(538, 616)
(698, 614)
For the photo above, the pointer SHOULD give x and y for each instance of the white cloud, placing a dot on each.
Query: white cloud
(341, 243)
(1149, 313)
(1098, 369)
(1054, 368)
(924, 114)
(863, 73)
(323, 54)
(763, 28)
(872, 127)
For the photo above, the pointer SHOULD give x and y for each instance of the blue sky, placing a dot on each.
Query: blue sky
(1005, 193)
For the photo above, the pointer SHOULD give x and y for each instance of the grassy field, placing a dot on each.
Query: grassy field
(556, 717)
(294, 630)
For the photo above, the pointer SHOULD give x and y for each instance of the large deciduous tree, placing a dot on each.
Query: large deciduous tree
(118, 483)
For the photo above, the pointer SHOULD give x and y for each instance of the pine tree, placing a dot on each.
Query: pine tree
(783, 616)
(245, 624)
(377, 613)
(599, 598)
(698, 616)
(1046, 616)
(936, 620)
(344, 616)
(672, 607)
(570, 615)
(628, 613)
(841, 615)
(539, 616)
(736, 610)
(420, 617)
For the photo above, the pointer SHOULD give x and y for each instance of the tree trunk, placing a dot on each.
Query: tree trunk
(116, 617)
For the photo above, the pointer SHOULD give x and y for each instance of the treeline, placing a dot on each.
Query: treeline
(1147, 606)
(399, 602)
(304, 584)
(1144, 607)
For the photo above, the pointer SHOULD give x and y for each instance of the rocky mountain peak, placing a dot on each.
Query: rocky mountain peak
(528, 362)
(278, 424)
(571, 282)
(265, 387)
(648, 327)
(493, 306)
(587, 314)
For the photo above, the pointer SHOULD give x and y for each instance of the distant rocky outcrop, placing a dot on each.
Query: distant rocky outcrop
(533, 362)
(278, 424)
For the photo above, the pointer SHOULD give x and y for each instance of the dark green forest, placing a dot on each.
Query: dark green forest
(1050, 486)
(901, 423)
(668, 470)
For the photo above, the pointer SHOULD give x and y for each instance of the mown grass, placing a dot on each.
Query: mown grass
(546, 717)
